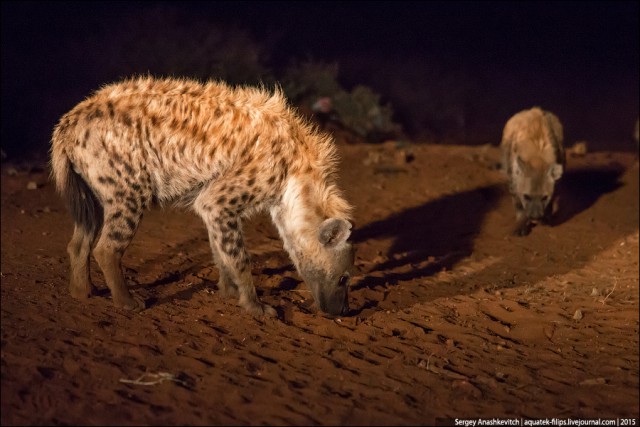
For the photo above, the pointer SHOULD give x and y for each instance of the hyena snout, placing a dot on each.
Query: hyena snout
(335, 303)
(535, 206)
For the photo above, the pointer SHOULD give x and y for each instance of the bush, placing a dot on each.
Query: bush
(359, 111)
(362, 112)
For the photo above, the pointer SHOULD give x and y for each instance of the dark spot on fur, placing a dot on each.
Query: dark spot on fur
(232, 225)
(132, 208)
(106, 180)
(130, 223)
(284, 166)
(233, 201)
(110, 109)
(136, 187)
(271, 180)
(244, 197)
(128, 168)
(117, 236)
(222, 199)
(116, 215)
(251, 182)
(126, 118)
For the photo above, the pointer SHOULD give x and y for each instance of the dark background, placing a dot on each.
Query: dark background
(452, 71)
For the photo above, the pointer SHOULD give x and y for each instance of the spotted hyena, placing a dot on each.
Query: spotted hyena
(227, 153)
(533, 159)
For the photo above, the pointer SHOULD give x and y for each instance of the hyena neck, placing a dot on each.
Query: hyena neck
(298, 219)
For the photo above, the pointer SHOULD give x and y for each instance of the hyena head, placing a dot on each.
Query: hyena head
(327, 269)
(533, 183)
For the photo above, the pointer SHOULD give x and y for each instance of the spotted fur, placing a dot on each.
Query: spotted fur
(227, 152)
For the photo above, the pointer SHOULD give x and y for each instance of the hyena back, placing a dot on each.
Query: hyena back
(533, 158)
(226, 152)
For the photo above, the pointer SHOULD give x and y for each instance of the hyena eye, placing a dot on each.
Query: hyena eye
(527, 197)
(344, 281)
(545, 198)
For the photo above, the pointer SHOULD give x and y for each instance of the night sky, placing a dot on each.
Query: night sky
(448, 68)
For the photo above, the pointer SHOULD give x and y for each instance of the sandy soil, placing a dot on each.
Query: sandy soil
(452, 316)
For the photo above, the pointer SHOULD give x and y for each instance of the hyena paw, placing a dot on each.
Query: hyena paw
(522, 230)
(259, 309)
(128, 302)
(228, 291)
(83, 291)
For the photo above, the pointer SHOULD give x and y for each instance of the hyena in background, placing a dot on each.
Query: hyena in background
(227, 152)
(533, 158)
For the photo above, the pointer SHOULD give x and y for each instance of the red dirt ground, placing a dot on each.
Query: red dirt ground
(453, 317)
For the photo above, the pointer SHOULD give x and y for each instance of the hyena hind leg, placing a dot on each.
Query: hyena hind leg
(79, 250)
(117, 232)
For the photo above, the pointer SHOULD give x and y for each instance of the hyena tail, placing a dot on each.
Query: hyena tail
(86, 209)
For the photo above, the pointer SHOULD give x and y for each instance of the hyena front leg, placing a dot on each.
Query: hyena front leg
(79, 250)
(226, 286)
(221, 216)
(523, 225)
(120, 224)
(234, 264)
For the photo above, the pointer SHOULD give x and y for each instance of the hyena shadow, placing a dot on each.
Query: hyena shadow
(580, 188)
(188, 258)
(196, 262)
(430, 237)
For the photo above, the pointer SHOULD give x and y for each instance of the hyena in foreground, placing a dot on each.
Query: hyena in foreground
(533, 159)
(227, 152)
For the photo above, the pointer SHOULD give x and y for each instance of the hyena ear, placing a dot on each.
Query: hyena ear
(555, 171)
(334, 231)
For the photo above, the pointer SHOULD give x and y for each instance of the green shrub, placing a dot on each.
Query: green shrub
(362, 112)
